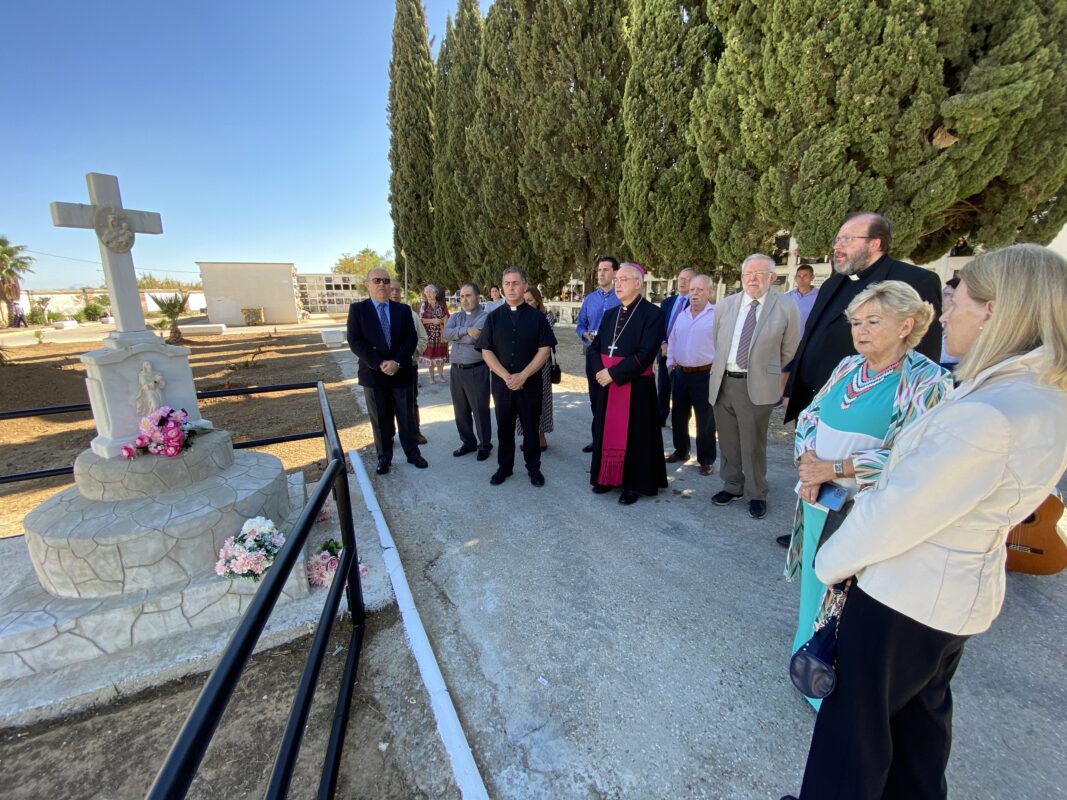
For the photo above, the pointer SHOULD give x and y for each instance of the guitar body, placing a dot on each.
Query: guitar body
(1033, 545)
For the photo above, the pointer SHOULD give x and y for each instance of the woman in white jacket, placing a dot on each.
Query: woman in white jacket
(927, 544)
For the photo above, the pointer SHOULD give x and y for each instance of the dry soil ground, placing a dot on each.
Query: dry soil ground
(113, 753)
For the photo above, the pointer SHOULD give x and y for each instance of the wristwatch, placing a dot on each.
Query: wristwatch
(839, 469)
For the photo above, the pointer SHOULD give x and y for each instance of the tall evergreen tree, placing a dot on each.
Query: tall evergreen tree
(411, 75)
(664, 192)
(498, 235)
(455, 176)
(923, 111)
(572, 59)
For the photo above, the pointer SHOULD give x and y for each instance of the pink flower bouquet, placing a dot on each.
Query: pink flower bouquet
(322, 567)
(250, 552)
(164, 432)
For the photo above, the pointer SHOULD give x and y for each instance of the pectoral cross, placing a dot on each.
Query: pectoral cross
(611, 350)
(115, 227)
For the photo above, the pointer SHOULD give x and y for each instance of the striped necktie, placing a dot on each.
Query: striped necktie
(746, 336)
(385, 324)
(681, 305)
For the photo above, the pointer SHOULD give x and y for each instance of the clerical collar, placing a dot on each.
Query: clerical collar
(633, 303)
(516, 308)
(866, 271)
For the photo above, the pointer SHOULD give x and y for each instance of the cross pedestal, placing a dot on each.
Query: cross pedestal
(112, 373)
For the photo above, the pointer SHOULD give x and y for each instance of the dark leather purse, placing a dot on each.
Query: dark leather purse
(813, 668)
(555, 373)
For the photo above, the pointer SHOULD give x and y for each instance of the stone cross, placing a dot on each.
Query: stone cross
(115, 227)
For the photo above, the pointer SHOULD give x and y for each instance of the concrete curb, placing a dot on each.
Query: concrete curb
(450, 729)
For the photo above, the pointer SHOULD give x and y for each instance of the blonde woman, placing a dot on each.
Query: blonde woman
(926, 544)
(845, 434)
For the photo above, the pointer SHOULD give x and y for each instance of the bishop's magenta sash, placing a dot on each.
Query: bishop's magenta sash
(616, 426)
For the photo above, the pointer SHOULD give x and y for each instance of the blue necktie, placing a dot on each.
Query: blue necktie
(385, 324)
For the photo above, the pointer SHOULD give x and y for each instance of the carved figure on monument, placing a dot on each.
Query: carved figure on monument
(113, 229)
(150, 395)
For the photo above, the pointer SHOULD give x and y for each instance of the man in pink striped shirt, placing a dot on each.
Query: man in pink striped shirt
(690, 353)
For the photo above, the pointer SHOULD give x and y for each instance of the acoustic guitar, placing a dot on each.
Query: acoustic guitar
(1034, 546)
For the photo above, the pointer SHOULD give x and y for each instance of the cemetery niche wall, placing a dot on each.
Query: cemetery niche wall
(233, 288)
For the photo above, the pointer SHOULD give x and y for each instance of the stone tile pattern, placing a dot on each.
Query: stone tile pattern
(100, 478)
(40, 632)
(99, 548)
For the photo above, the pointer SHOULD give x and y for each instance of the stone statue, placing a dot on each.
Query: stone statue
(113, 229)
(150, 395)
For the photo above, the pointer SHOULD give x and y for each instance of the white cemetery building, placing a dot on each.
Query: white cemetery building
(238, 292)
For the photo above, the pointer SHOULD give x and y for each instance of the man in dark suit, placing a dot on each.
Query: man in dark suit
(382, 334)
(861, 257)
(670, 308)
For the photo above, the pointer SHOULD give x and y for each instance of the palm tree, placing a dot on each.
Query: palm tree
(172, 307)
(14, 264)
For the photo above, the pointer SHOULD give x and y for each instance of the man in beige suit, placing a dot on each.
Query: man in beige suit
(756, 333)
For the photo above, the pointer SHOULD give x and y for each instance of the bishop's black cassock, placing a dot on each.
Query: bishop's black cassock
(636, 332)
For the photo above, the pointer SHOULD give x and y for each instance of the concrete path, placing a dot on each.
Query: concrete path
(598, 651)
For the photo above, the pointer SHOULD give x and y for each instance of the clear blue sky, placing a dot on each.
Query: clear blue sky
(257, 129)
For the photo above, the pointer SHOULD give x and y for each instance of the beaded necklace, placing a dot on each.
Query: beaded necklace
(863, 380)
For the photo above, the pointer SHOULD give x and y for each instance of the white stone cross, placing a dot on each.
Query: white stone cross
(115, 227)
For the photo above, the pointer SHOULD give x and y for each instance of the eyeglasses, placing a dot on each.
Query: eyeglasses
(847, 239)
(379, 281)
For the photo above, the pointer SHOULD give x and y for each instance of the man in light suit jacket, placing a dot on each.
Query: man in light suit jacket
(382, 334)
(756, 333)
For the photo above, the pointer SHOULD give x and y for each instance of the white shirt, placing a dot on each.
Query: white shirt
(691, 343)
(731, 362)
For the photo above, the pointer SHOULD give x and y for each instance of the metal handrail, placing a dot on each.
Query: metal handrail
(179, 770)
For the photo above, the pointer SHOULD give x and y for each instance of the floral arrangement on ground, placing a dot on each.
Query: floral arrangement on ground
(250, 552)
(322, 567)
(163, 432)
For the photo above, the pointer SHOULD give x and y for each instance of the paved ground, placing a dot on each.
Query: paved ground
(597, 651)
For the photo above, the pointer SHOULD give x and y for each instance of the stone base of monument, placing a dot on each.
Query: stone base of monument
(85, 684)
(127, 554)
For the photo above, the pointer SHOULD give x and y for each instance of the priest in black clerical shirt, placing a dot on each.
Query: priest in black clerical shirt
(627, 443)
(861, 257)
(515, 344)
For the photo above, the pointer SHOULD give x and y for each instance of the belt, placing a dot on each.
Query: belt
(469, 366)
(730, 374)
(705, 368)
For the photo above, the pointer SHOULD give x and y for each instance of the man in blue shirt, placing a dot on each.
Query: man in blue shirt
(598, 301)
(803, 294)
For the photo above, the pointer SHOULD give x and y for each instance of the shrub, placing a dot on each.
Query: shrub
(92, 312)
(79, 315)
(36, 317)
(54, 316)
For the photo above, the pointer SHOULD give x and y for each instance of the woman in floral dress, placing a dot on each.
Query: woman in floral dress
(434, 314)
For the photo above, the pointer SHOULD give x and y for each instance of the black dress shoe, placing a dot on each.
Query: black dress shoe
(419, 462)
(784, 539)
(383, 466)
(421, 439)
(500, 476)
(537, 479)
(724, 498)
(677, 457)
(463, 451)
(599, 488)
(588, 448)
(483, 455)
(628, 497)
(790, 797)
(757, 509)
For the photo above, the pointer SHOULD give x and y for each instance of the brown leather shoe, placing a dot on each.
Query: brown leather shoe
(676, 458)
(707, 469)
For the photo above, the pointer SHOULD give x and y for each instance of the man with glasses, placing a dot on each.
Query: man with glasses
(382, 334)
(756, 332)
(860, 258)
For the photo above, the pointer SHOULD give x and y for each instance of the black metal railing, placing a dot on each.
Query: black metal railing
(179, 770)
(81, 407)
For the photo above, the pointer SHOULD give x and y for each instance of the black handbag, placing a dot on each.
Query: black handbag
(555, 373)
(813, 668)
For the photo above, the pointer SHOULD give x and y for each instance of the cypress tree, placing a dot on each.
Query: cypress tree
(572, 60)
(937, 114)
(664, 193)
(411, 141)
(454, 184)
(494, 146)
